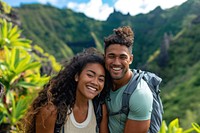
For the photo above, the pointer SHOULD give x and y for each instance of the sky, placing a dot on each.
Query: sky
(101, 9)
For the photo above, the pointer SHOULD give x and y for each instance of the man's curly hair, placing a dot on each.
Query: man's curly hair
(122, 35)
(61, 89)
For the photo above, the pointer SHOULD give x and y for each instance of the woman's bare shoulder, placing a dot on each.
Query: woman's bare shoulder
(48, 109)
(46, 119)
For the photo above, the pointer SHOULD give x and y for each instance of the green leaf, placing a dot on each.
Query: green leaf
(9, 28)
(196, 127)
(12, 58)
(21, 107)
(17, 58)
(22, 64)
(7, 57)
(25, 84)
(3, 109)
(1, 117)
(173, 126)
(12, 100)
(15, 36)
(163, 128)
(32, 65)
(21, 43)
(188, 130)
(4, 29)
(13, 31)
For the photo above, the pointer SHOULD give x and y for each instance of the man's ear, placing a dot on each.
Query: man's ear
(76, 77)
(131, 58)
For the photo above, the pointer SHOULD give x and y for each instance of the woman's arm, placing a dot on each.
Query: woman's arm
(104, 121)
(45, 119)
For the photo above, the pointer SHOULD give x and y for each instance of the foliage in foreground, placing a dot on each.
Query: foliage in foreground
(20, 73)
(174, 127)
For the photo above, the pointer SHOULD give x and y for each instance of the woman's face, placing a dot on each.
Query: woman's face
(90, 81)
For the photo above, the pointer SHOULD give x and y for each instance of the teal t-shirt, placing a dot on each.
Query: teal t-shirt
(140, 106)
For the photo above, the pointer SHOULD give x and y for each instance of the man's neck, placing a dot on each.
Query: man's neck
(119, 83)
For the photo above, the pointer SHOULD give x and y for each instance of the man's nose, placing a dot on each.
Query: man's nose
(116, 61)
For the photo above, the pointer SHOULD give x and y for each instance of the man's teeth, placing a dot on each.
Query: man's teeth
(116, 68)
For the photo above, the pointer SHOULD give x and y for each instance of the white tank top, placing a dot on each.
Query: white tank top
(87, 126)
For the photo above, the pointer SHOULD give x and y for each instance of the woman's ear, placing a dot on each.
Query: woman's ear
(76, 77)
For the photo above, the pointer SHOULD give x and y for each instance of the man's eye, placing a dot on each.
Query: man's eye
(123, 57)
(111, 56)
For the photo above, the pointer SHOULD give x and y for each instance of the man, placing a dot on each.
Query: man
(118, 57)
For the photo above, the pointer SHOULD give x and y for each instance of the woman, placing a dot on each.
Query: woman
(66, 100)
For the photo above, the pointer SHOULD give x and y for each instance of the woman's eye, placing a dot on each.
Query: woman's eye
(101, 79)
(89, 75)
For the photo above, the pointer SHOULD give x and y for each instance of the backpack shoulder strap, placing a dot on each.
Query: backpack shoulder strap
(59, 125)
(97, 104)
(130, 88)
(58, 128)
(129, 91)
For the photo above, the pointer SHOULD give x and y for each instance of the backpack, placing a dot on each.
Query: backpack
(153, 82)
(97, 104)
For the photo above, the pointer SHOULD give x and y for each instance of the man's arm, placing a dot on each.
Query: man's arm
(139, 116)
(134, 126)
(45, 119)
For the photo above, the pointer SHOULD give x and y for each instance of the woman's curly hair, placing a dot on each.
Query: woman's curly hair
(122, 35)
(61, 89)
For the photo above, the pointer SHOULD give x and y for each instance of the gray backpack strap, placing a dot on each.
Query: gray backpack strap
(129, 91)
(63, 129)
(130, 88)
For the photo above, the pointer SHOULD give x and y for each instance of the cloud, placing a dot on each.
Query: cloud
(143, 6)
(100, 11)
(94, 9)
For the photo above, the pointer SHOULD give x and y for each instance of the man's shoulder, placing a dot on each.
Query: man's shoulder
(142, 92)
(142, 86)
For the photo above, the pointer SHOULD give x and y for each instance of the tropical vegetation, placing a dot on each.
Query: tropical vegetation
(20, 73)
(167, 42)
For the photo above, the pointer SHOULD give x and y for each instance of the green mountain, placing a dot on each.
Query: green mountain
(59, 31)
(68, 32)
(181, 87)
(166, 42)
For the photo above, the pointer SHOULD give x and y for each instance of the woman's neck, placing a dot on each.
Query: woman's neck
(82, 105)
(81, 101)
(80, 109)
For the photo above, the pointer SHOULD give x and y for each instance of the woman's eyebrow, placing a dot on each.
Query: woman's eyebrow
(95, 73)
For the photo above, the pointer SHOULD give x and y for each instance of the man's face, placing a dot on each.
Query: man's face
(117, 60)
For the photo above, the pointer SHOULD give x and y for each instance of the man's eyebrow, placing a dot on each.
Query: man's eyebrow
(110, 53)
(123, 55)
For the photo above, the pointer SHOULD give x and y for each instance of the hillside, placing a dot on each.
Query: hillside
(59, 31)
(64, 30)
(181, 74)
